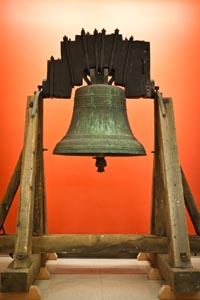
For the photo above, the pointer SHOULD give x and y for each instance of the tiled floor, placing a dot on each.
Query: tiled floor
(98, 279)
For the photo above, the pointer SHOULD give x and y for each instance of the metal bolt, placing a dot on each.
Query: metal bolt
(20, 255)
(184, 256)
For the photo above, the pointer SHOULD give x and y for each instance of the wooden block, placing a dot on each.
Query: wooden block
(142, 256)
(52, 256)
(154, 274)
(32, 294)
(151, 257)
(166, 293)
(44, 258)
(187, 295)
(43, 274)
(180, 279)
(20, 280)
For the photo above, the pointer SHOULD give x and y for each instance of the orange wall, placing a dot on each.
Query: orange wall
(80, 200)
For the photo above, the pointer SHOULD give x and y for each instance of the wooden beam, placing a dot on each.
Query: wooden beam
(99, 245)
(158, 218)
(40, 215)
(96, 245)
(23, 245)
(10, 192)
(180, 279)
(179, 251)
(191, 205)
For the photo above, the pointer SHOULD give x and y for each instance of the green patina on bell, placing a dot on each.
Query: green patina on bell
(99, 126)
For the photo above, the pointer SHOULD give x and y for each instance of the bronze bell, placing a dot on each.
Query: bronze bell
(99, 126)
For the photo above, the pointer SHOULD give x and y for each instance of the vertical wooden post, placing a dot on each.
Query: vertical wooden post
(158, 217)
(40, 219)
(179, 251)
(22, 271)
(23, 245)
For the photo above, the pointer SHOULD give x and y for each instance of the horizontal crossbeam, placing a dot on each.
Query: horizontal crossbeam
(97, 245)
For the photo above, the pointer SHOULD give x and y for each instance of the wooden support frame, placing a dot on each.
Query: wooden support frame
(168, 242)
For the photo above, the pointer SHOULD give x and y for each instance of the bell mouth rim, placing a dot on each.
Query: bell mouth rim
(127, 147)
(96, 154)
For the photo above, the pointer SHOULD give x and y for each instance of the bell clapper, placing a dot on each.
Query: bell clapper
(100, 163)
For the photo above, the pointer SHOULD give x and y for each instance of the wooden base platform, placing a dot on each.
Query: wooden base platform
(166, 293)
(32, 294)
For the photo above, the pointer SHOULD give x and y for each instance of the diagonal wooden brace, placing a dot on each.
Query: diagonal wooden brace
(10, 192)
(23, 245)
(179, 251)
